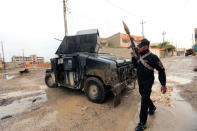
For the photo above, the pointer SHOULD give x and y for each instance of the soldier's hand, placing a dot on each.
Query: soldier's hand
(132, 53)
(163, 89)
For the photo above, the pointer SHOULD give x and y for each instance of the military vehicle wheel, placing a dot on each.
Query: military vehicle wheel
(49, 81)
(94, 90)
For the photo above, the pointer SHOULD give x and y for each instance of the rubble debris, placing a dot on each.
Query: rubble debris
(5, 102)
(156, 96)
(24, 71)
(34, 100)
(84, 108)
(94, 113)
(36, 108)
(1, 100)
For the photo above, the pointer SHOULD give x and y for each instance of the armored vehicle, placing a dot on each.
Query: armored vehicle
(78, 65)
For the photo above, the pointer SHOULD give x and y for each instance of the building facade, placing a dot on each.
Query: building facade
(195, 46)
(33, 59)
(162, 52)
(180, 51)
(119, 40)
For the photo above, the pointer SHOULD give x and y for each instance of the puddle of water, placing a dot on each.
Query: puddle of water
(180, 80)
(21, 102)
(20, 93)
(179, 117)
(184, 112)
(22, 105)
(43, 87)
(175, 80)
(1, 76)
(4, 77)
(6, 117)
(10, 77)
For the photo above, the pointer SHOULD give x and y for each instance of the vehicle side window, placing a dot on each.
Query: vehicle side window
(68, 63)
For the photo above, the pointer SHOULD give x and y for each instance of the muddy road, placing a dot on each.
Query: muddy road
(27, 104)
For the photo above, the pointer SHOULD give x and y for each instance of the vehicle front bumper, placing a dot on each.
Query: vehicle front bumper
(117, 89)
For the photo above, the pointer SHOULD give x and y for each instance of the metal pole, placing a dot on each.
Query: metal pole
(23, 58)
(193, 40)
(143, 27)
(163, 33)
(65, 19)
(3, 55)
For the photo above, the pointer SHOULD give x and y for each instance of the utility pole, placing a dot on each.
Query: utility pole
(176, 45)
(65, 19)
(193, 40)
(163, 33)
(143, 22)
(3, 55)
(23, 58)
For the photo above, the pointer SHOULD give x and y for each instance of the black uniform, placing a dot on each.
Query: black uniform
(146, 80)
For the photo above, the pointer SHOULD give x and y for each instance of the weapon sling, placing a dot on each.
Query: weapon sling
(145, 64)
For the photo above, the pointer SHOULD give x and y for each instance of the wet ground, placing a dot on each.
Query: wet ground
(27, 104)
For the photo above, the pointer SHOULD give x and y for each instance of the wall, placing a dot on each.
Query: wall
(13, 65)
(114, 41)
(163, 53)
(119, 40)
(124, 40)
(180, 51)
(156, 52)
(119, 52)
(169, 53)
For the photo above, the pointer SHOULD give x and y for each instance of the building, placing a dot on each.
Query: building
(195, 46)
(180, 51)
(1, 65)
(40, 59)
(119, 40)
(161, 52)
(33, 59)
(195, 36)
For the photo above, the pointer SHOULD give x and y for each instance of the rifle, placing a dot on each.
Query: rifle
(131, 39)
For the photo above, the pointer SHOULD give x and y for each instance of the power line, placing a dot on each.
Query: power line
(58, 39)
(120, 8)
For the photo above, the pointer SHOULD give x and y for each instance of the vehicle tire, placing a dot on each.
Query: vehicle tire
(94, 90)
(49, 81)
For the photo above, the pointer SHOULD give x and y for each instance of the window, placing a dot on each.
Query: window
(125, 41)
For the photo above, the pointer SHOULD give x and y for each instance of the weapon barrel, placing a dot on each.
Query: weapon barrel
(131, 39)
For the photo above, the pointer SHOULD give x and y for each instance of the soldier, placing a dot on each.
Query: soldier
(145, 65)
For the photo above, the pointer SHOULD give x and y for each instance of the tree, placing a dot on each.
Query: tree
(166, 45)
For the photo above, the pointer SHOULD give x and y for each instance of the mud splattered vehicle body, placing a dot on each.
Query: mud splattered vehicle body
(80, 66)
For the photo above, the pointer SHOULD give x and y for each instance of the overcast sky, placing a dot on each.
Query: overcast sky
(32, 25)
